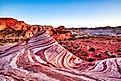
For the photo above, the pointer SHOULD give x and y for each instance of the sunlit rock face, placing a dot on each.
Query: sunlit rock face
(43, 59)
(61, 33)
(14, 31)
(11, 23)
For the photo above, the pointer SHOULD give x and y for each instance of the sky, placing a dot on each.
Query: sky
(70, 13)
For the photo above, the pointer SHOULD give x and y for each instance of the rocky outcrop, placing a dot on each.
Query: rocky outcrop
(14, 30)
(11, 23)
(61, 33)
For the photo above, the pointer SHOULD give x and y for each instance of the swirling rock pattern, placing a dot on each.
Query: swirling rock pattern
(43, 59)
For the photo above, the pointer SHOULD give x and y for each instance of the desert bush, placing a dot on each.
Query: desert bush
(92, 49)
(119, 50)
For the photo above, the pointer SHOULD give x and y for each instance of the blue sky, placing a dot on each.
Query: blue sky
(71, 13)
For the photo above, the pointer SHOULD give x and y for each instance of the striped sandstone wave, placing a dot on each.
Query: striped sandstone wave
(43, 59)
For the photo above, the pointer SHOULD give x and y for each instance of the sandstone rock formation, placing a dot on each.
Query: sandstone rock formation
(19, 30)
(61, 33)
(11, 23)
(42, 59)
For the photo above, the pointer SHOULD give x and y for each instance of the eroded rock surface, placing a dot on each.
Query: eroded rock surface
(42, 59)
(14, 31)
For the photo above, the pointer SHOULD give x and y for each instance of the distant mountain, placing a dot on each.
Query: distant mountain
(99, 31)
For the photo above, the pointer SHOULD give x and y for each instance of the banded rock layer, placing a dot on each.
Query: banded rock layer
(43, 59)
